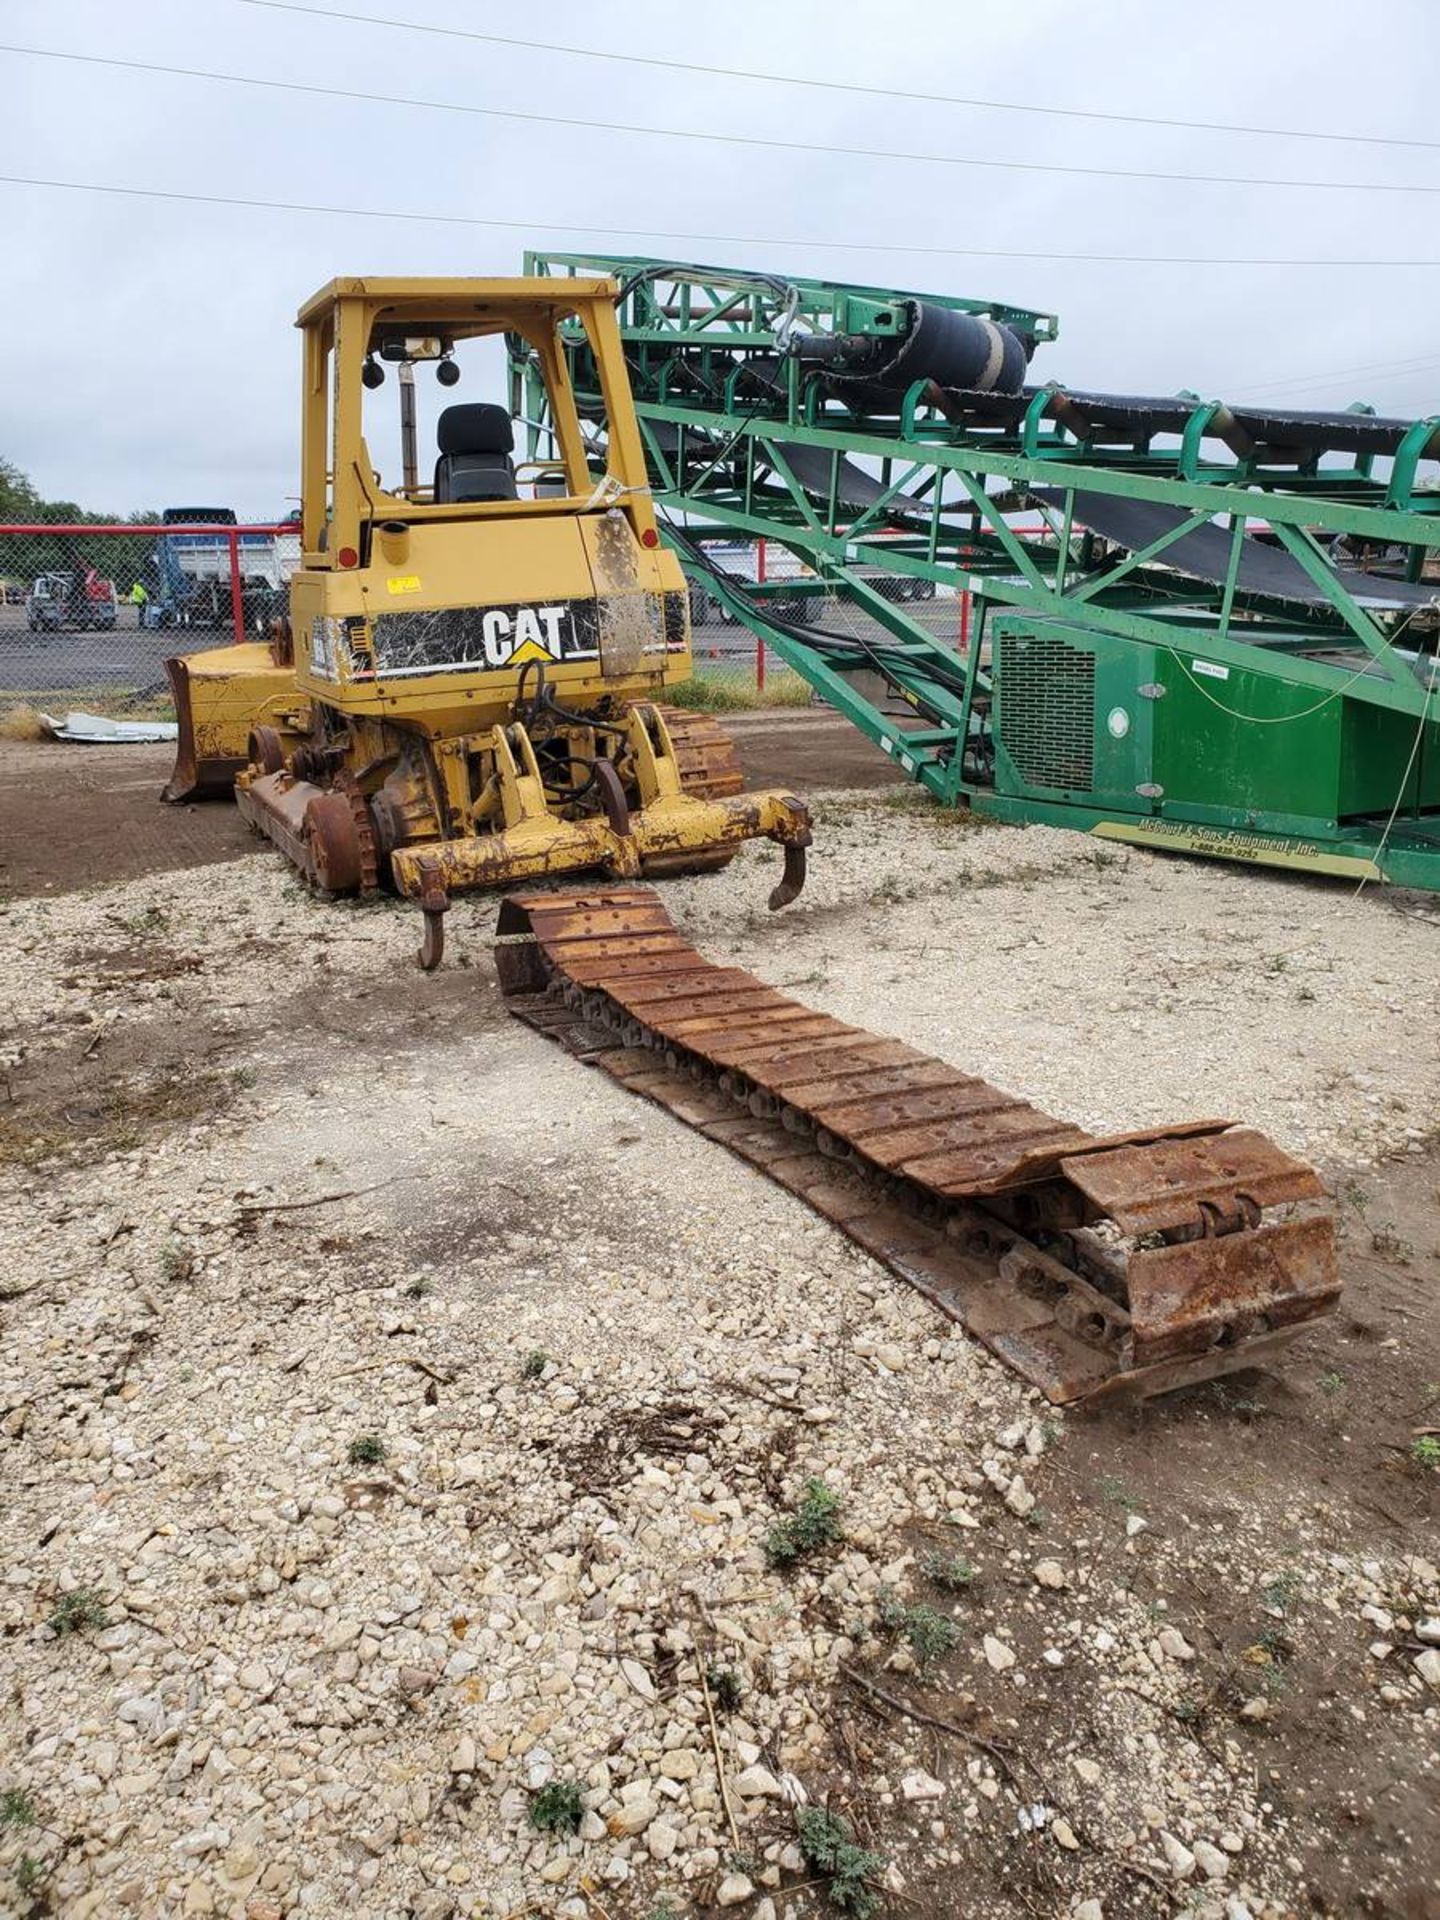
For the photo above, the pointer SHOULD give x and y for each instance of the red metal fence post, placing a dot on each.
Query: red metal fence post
(237, 597)
(759, 642)
(965, 620)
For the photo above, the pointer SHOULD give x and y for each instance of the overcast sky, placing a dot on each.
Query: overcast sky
(147, 355)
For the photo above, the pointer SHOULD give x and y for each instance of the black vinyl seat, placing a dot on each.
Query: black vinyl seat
(476, 443)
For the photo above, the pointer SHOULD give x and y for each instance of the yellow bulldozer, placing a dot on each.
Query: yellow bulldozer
(464, 693)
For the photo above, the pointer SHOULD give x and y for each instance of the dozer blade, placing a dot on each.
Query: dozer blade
(1095, 1268)
(221, 696)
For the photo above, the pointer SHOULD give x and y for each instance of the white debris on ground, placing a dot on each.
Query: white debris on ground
(336, 1534)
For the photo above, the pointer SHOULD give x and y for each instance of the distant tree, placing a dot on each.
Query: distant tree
(116, 558)
(18, 498)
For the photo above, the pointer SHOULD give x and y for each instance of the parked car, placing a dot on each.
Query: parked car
(82, 600)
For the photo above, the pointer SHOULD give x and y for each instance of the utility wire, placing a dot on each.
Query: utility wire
(1336, 693)
(1383, 370)
(722, 139)
(704, 239)
(838, 86)
(1420, 725)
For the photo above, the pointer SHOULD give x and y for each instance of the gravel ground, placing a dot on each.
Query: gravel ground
(396, 1416)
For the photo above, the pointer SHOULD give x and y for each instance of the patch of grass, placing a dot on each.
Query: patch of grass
(727, 693)
(366, 1450)
(1282, 1594)
(30, 1874)
(849, 1871)
(120, 1115)
(1275, 1681)
(534, 1364)
(949, 1570)
(929, 1633)
(1425, 1452)
(77, 1612)
(727, 1689)
(22, 723)
(123, 703)
(25, 1145)
(147, 920)
(1331, 1382)
(419, 1289)
(1228, 1401)
(557, 1808)
(1389, 1245)
(1115, 1493)
(17, 1809)
(177, 1263)
(814, 1524)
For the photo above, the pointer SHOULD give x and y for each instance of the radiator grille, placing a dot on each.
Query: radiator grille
(1047, 711)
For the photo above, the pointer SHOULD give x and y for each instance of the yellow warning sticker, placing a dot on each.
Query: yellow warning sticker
(403, 583)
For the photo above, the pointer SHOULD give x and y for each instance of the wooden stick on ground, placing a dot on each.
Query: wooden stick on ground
(897, 1705)
(715, 1742)
(324, 1199)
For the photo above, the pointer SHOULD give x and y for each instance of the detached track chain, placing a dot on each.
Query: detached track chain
(1019, 1226)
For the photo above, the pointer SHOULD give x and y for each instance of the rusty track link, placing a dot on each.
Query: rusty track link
(705, 755)
(1128, 1265)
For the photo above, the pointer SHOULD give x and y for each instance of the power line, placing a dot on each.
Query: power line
(838, 86)
(1392, 369)
(703, 239)
(723, 139)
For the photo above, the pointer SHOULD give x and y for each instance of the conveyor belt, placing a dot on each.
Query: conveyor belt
(1205, 554)
(1117, 418)
(1131, 1265)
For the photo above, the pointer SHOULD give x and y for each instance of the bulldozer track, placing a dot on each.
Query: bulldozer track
(705, 756)
(1094, 1267)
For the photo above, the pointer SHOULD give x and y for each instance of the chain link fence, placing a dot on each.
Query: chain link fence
(732, 668)
(89, 611)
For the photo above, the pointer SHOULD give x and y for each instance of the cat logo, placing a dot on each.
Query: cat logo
(511, 636)
(485, 639)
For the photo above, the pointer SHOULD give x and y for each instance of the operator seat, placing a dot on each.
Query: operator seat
(476, 442)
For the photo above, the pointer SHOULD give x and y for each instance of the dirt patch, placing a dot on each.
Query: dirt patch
(74, 817)
(110, 1083)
